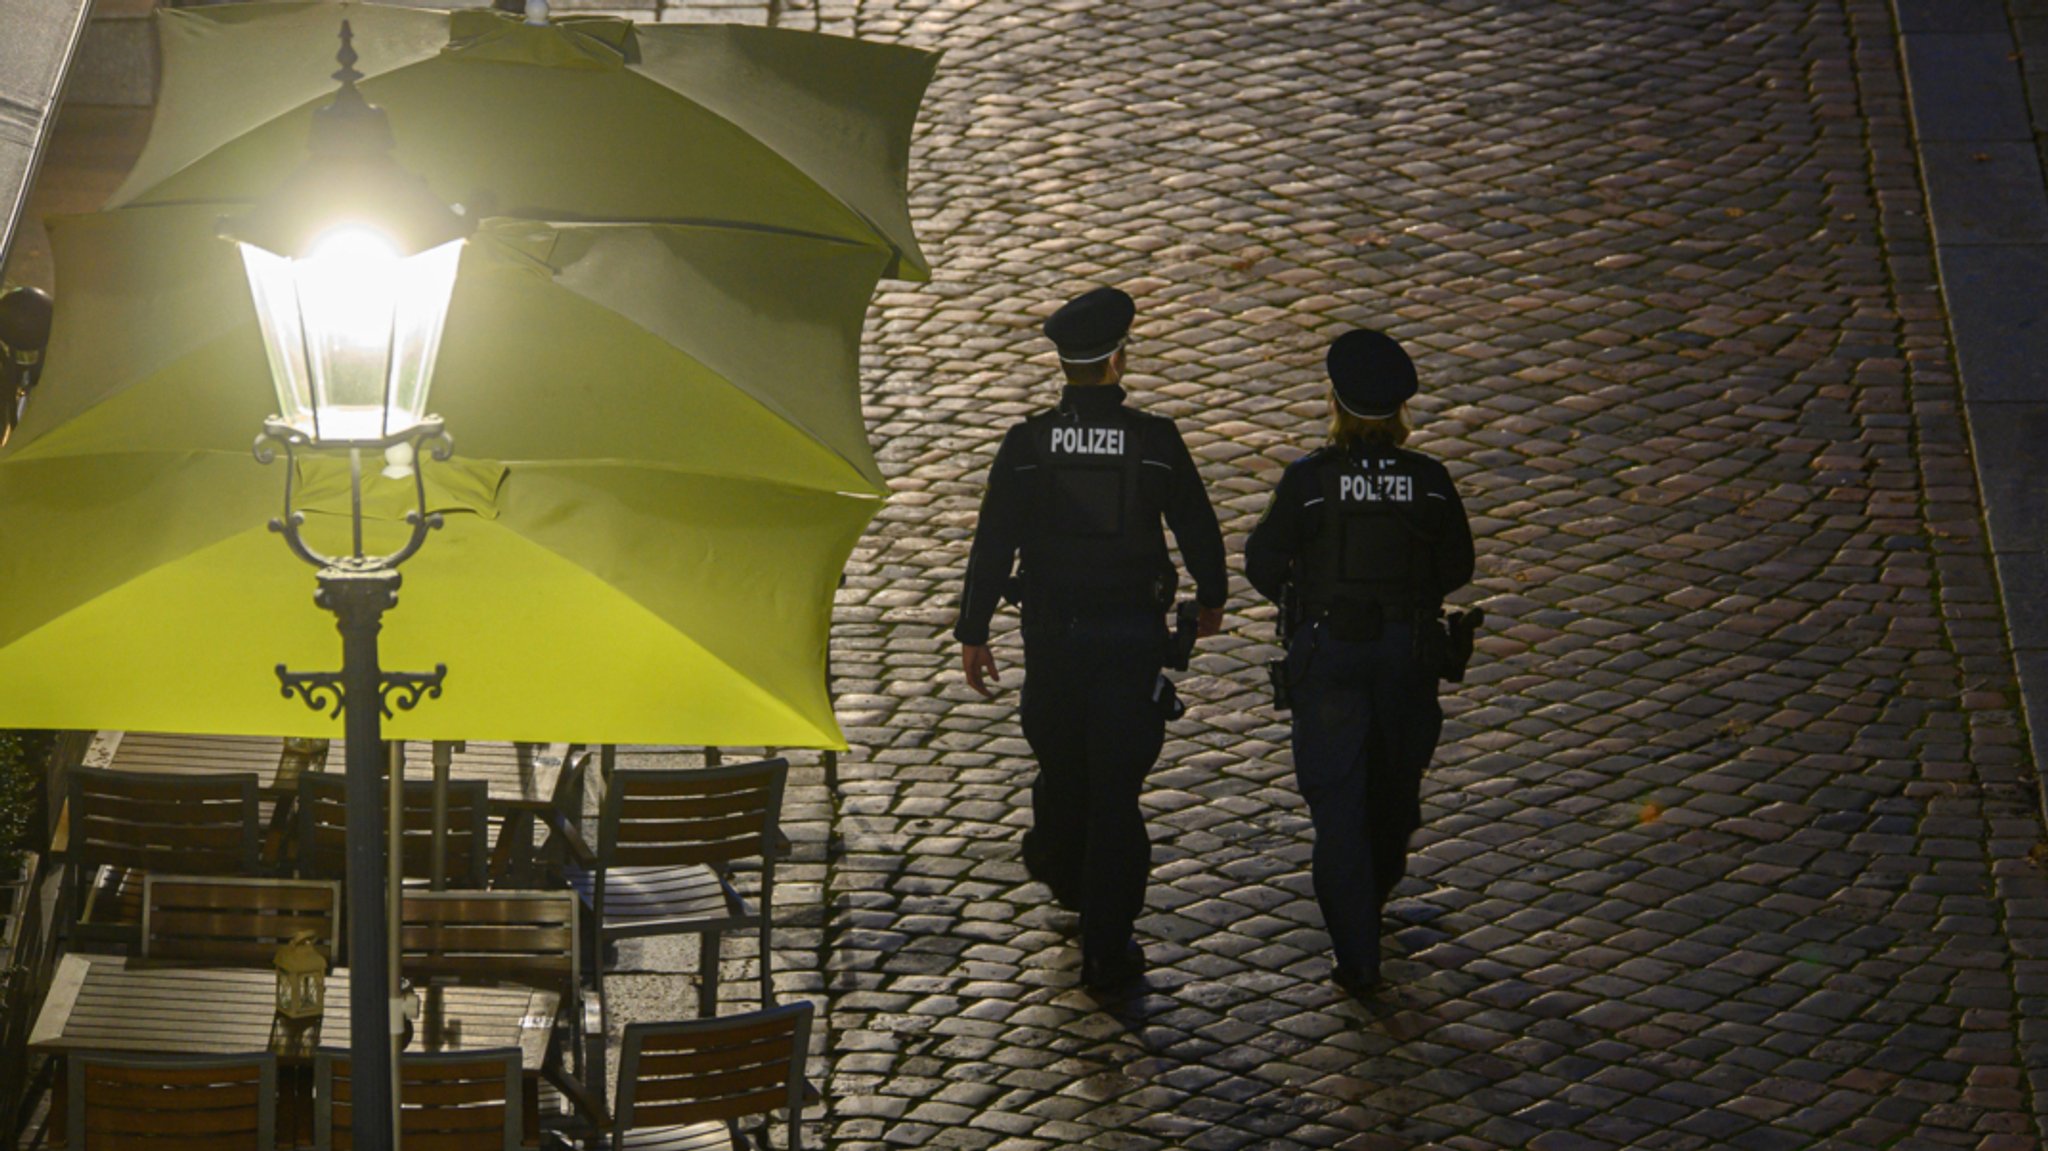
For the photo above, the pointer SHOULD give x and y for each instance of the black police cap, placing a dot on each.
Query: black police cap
(1373, 377)
(1091, 326)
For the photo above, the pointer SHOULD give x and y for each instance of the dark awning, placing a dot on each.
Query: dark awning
(35, 54)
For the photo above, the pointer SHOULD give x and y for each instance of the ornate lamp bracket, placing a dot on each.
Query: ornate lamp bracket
(407, 688)
(321, 690)
(429, 434)
(357, 588)
(326, 691)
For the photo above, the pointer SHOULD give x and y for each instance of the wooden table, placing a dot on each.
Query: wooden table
(277, 773)
(520, 780)
(118, 1004)
(270, 759)
(518, 776)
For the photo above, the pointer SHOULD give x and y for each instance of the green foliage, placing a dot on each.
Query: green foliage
(23, 757)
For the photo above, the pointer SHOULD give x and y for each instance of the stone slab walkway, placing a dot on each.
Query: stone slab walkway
(1978, 94)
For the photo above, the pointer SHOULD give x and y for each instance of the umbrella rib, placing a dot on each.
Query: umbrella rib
(514, 466)
(325, 96)
(897, 252)
(543, 214)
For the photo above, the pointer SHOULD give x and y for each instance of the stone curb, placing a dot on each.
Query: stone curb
(1988, 205)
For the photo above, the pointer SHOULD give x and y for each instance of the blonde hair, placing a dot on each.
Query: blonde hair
(1347, 430)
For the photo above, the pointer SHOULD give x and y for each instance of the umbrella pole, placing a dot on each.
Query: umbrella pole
(359, 599)
(394, 903)
(443, 752)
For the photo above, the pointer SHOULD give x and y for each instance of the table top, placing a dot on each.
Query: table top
(517, 775)
(277, 773)
(118, 1003)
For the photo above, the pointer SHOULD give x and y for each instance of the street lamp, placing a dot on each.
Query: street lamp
(351, 263)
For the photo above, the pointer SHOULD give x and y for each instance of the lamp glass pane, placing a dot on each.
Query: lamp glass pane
(276, 295)
(426, 282)
(349, 288)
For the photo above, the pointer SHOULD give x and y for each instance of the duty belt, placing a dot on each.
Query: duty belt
(1363, 620)
(1092, 600)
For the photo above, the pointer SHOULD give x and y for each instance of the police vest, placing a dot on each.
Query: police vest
(1372, 542)
(1096, 508)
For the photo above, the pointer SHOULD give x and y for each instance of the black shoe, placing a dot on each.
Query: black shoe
(1358, 985)
(1114, 972)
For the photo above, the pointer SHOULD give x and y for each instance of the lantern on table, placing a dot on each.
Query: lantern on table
(301, 979)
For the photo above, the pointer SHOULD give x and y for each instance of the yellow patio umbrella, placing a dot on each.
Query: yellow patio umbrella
(586, 118)
(661, 469)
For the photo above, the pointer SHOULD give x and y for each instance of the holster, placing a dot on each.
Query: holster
(1180, 646)
(1167, 700)
(1453, 635)
(1283, 691)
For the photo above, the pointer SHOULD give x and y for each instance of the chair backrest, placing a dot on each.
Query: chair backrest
(323, 829)
(189, 824)
(526, 937)
(160, 1103)
(710, 1070)
(447, 1101)
(708, 815)
(238, 922)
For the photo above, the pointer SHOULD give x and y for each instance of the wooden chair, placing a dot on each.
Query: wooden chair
(235, 922)
(666, 843)
(524, 937)
(323, 830)
(606, 756)
(160, 1103)
(685, 1086)
(448, 1101)
(124, 823)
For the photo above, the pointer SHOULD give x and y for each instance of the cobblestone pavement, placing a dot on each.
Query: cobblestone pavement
(1731, 841)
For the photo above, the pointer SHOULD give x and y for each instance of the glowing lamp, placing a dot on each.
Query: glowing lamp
(351, 264)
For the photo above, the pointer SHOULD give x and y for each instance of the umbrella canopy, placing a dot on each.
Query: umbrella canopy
(588, 118)
(662, 468)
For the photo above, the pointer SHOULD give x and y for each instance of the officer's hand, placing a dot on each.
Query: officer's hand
(1208, 622)
(976, 660)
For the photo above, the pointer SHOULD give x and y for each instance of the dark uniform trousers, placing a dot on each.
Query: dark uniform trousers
(1089, 716)
(1366, 721)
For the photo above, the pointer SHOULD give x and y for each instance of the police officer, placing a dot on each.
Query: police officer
(1361, 543)
(1080, 491)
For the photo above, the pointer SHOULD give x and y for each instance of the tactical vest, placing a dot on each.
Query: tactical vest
(1095, 533)
(1372, 542)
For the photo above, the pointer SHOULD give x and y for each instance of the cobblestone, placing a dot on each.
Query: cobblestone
(1731, 840)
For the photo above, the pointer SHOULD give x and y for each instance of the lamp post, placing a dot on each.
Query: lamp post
(351, 263)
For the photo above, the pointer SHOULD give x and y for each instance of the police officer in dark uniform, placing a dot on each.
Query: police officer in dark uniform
(1361, 543)
(1080, 491)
